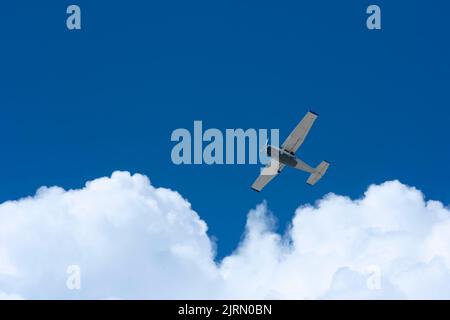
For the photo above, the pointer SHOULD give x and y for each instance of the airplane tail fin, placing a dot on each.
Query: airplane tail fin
(318, 173)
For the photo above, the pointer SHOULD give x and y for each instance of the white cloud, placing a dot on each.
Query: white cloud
(129, 239)
(132, 240)
(5, 296)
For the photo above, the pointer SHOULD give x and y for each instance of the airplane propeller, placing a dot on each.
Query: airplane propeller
(263, 149)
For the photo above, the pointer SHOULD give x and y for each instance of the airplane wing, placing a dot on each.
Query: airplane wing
(267, 174)
(296, 138)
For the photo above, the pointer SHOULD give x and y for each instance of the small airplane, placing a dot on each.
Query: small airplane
(279, 158)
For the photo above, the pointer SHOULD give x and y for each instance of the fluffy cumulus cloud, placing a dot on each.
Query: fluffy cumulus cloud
(130, 239)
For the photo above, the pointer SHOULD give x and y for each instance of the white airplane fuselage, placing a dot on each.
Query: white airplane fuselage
(288, 159)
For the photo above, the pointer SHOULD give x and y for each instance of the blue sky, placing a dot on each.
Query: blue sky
(77, 105)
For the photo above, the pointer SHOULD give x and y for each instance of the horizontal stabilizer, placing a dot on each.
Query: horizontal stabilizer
(318, 173)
